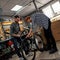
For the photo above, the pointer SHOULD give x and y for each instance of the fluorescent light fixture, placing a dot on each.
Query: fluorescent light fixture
(56, 6)
(48, 11)
(16, 8)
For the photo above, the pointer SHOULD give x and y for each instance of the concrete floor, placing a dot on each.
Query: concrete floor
(43, 55)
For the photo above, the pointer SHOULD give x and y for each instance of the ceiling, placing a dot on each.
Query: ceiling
(28, 6)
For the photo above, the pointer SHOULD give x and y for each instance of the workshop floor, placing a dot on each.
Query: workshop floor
(43, 55)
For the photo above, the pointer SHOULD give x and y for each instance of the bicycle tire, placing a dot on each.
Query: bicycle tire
(39, 41)
(32, 57)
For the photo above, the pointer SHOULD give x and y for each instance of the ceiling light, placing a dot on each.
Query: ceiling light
(16, 8)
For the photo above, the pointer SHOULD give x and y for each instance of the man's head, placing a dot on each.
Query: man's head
(16, 18)
(28, 19)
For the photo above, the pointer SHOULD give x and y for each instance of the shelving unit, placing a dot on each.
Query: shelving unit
(3, 38)
(2, 34)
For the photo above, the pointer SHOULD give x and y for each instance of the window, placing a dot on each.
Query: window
(48, 11)
(56, 7)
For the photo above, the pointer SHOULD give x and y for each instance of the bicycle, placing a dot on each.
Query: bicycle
(33, 45)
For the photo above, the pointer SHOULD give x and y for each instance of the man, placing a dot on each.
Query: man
(15, 33)
(43, 21)
(29, 23)
(30, 26)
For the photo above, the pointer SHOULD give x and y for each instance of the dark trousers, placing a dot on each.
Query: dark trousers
(25, 45)
(49, 37)
(15, 40)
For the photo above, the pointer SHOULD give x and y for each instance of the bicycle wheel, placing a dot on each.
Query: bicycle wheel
(38, 41)
(31, 53)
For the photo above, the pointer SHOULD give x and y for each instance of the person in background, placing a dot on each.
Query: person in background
(43, 21)
(28, 21)
(29, 24)
(15, 34)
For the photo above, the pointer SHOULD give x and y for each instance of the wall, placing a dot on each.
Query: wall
(56, 30)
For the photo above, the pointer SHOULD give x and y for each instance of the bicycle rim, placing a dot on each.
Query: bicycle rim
(38, 42)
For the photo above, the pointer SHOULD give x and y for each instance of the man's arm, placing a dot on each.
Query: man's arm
(30, 30)
(29, 34)
(16, 35)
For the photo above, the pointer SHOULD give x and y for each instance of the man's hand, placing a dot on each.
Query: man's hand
(17, 35)
(27, 36)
